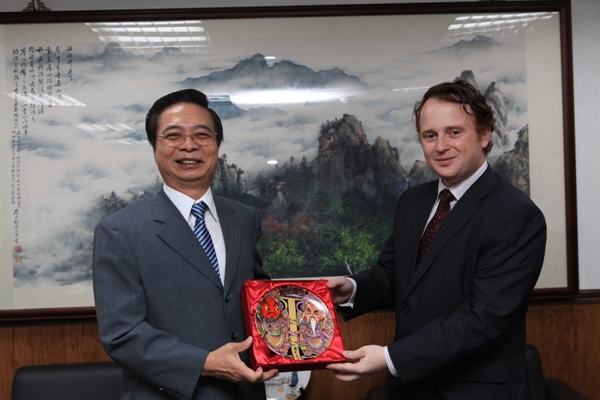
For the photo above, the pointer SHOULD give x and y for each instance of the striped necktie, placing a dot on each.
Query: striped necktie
(203, 235)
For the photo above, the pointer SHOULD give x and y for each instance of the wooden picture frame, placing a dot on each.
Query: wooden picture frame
(81, 66)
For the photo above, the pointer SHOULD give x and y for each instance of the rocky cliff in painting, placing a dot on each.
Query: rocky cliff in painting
(347, 161)
(513, 165)
(497, 101)
(346, 165)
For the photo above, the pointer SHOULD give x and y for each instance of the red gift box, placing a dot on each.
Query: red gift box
(293, 325)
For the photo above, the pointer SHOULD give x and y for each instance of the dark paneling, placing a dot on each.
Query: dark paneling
(565, 335)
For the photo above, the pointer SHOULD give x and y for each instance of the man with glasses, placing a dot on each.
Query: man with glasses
(167, 277)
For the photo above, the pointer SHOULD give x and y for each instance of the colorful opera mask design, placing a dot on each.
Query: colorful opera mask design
(316, 326)
(314, 311)
(294, 322)
(270, 308)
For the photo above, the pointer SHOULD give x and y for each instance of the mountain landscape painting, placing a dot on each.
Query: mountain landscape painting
(318, 134)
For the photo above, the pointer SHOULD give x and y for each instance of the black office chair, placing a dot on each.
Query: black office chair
(89, 381)
(541, 388)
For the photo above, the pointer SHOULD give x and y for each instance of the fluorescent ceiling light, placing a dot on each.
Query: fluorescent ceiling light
(296, 96)
(153, 36)
(474, 24)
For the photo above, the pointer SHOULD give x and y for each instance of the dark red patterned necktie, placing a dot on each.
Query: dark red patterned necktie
(432, 227)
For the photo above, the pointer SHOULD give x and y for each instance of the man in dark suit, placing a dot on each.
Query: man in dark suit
(460, 309)
(168, 310)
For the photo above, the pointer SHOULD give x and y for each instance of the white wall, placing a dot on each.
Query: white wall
(586, 77)
(586, 58)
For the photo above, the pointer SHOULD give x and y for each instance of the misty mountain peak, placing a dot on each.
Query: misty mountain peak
(468, 76)
(255, 73)
(484, 39)
(252, 64)
(478, 43)
(347, 131)
(497, 100)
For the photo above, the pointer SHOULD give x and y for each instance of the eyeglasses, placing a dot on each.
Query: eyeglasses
(176, 139)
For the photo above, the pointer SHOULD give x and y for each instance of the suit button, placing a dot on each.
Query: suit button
(404, 310)
(227, 298)
(234, 335)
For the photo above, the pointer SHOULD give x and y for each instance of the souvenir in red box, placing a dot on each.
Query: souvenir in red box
(293, 324)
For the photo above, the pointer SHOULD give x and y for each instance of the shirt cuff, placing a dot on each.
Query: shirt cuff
(350, 302)
(389, 363)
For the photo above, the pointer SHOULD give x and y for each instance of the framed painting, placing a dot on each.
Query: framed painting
(317, 110)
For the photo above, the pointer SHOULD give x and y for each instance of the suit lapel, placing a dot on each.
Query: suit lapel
(231, 235)
(462, 212)
(421, 214)
(178, 235)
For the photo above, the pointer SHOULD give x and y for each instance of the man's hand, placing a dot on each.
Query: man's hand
(341, 289)
(225, 363)
(370, 361)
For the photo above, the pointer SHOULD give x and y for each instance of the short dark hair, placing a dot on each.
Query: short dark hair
(191, 96)
(469, 97)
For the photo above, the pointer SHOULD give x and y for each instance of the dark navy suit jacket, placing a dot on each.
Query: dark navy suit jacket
(460, 316)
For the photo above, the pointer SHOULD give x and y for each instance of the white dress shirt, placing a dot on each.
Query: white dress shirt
(185, 203)
(457, 190)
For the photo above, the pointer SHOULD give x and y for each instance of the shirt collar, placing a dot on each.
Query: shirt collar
(184, 203)
(461, 188)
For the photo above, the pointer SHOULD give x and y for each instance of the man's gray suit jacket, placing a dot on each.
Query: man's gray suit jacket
(161, 307)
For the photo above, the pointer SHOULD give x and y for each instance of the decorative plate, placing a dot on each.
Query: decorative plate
(294, 322)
